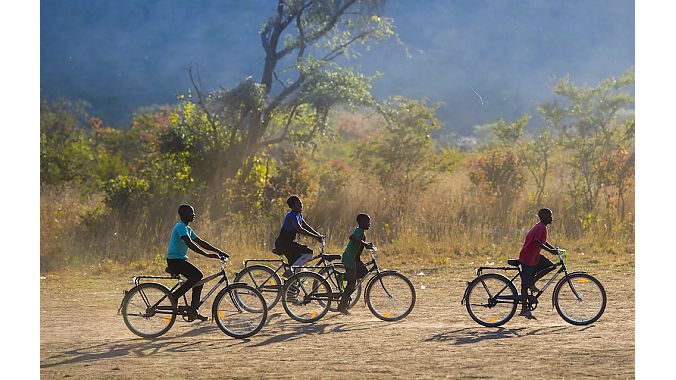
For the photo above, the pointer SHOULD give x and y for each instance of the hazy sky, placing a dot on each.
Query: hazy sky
(123, 54)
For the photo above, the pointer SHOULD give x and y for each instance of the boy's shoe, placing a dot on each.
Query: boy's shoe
(344, 311)
(527, 314)
(194, 315)
(287, 273)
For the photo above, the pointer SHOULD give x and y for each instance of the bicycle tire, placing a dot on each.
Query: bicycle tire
(333, 282)
(265, 280)
(584, 285)
(377, 282)
(311, 289)
(480, 282)
(228, 310)
(146, 295)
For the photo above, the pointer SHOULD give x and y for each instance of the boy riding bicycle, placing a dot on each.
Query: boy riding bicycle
(297, 254)
(354, 267)
(182, 238)
(533, 264)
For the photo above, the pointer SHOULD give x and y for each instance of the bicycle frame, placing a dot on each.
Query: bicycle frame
(163, 310)
(497, 298)
(374, 268)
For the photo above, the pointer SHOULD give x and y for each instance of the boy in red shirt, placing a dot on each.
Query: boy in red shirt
(533, 264)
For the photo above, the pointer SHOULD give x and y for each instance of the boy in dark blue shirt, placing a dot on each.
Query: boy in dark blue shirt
(297, 254)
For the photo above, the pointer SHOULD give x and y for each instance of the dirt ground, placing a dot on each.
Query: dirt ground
(83, 337)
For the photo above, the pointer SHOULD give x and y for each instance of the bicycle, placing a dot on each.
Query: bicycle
(389, 295)
(269, 283)
(491, 299)
(238, 309)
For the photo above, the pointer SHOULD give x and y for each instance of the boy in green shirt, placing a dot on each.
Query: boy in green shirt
(351, 258)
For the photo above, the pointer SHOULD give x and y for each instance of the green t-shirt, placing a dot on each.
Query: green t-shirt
(353, 249)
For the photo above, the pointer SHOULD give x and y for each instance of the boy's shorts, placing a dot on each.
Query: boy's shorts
(528, 272)
(355, 265)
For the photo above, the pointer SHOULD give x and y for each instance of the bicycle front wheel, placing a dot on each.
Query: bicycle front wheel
(390, 296)
(306, 297)
(147, 310)
(240, 311)
(580, 299)
(263, 279)
(491, 299)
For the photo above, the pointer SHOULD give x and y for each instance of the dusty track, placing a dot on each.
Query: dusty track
(82, 337)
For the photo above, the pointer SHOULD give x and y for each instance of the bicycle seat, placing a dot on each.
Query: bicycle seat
(330, 257)
(513, 262)
(168, 270)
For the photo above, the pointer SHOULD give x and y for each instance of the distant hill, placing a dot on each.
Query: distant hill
(484, 59)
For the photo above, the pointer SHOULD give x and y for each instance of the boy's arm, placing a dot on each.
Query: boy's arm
(304, 231)
(186, 239)
(204, 244)
(309, 228)
(547, 247)
(360, 241)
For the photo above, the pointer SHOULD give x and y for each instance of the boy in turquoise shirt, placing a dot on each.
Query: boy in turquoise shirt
(351, 258)
(182, 238)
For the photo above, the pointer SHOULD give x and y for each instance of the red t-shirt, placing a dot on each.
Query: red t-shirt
(530, 252)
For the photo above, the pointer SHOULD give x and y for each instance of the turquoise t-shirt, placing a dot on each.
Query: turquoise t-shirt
(177, 247)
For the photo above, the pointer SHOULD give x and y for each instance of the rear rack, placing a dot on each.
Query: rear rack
(479, 270)
(137, 279)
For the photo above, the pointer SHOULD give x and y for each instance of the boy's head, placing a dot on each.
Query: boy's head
(295, 204)
(187, 213)
(545, 216)
(364, 221)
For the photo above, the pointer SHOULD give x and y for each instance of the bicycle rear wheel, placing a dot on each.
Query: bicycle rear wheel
(240, 311)
(147, 310)
(306, 297)
(333, 282)
(390, 296)
(263, 279)
(491, 299)
(580, 299)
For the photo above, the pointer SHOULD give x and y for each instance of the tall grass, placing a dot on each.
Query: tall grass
(448, 222)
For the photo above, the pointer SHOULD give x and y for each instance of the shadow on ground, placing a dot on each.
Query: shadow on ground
(276, 330)
(470, 335)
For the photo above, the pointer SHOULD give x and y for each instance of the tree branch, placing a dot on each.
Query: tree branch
(202, 103)
(320, 33)
(285, 132)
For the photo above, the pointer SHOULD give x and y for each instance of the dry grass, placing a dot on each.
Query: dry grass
(448, 223)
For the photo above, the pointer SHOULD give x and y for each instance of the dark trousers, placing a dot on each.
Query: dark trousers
(292, 250)
(351, 278)
(193, 276)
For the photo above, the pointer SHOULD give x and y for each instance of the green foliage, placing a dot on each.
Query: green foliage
(591, 131)
(293, 175)
(509, 133)
(125, 191)
(403, 159)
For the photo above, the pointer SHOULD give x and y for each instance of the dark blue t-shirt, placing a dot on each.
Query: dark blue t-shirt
(288, 232)
(287, 225)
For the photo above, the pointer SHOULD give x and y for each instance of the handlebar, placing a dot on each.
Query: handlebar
(223, 259)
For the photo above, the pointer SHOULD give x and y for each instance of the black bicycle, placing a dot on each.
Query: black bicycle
(491, 298)
(269, 283)
(307, 296)
(238, 309)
